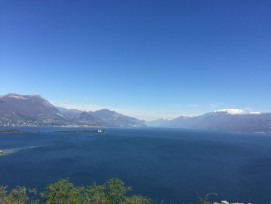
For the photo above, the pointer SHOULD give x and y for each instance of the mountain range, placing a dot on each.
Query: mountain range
(33, 110)
(226, 120)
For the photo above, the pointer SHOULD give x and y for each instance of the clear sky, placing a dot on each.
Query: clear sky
(144, 58)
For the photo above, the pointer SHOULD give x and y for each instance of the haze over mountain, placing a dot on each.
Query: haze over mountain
(226, 120)
(69, 113)
(33, 110)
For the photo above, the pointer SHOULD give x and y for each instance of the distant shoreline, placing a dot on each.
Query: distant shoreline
(7, 131)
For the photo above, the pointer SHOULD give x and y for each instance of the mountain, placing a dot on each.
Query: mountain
(33, 110)
(226, 120)
(87, 119)
(117, 119)
(69, 113)
(107, 117)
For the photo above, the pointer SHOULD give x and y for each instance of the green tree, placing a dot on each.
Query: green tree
(96, 194)
(137, 199)
(64, 192)
(116, 191)
(17, 195)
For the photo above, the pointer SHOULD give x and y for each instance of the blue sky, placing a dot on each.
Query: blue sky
(148, 58)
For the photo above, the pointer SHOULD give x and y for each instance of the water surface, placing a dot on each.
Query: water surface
(175, 165)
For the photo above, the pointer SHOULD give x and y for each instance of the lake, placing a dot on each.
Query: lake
(174, 165)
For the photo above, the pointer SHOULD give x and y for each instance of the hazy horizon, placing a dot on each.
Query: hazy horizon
(234, 111)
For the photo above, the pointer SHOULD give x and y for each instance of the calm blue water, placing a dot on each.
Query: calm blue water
(174, 165)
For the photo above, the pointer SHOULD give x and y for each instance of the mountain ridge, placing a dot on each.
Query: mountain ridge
(33, 110)
(225, 120)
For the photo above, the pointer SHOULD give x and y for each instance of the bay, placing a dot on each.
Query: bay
(174, 165)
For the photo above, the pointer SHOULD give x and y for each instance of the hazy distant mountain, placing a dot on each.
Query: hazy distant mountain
(69, 113)
(117, 119)
(163, 122)
(87, 119)
(33, 110)
(227, 120)
(107, 117)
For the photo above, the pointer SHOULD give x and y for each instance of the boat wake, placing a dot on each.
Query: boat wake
(15, 150)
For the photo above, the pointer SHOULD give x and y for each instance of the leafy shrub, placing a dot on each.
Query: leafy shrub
(64, 192)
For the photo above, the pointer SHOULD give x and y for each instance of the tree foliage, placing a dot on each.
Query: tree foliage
(17, 195)
(64, 192)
